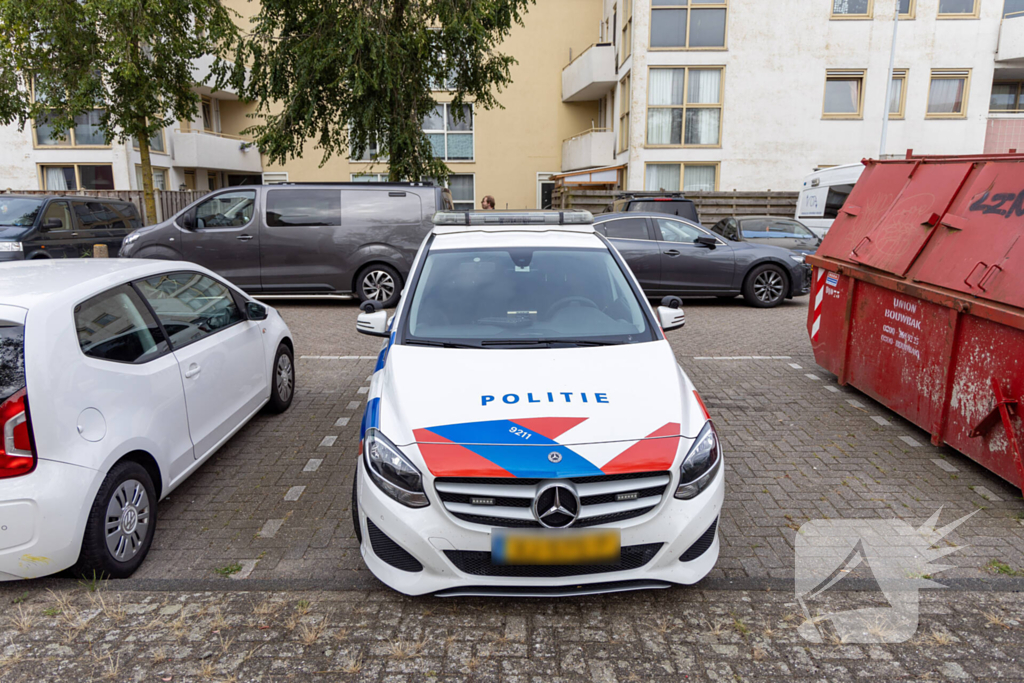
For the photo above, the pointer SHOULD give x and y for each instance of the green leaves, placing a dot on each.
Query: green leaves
(347, 74)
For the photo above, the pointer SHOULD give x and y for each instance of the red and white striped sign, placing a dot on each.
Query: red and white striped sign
(819, 297)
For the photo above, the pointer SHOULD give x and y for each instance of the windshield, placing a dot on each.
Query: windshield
(512, 296)
(19, 212)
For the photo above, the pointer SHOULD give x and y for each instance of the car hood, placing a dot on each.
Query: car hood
(538, 412)
(13, 233)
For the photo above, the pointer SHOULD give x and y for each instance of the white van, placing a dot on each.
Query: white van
(823, 194)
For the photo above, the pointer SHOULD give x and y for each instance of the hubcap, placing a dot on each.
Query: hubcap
(378, 285)
(768, 286)
(127, 520)
(285, 378)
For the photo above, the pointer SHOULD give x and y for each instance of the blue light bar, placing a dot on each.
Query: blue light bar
(574, 217)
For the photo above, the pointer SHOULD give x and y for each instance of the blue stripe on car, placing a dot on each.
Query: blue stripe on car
(371, 417)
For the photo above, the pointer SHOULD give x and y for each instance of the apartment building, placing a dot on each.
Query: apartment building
(750, 95)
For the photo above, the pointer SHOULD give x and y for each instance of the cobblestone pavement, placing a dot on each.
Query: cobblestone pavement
(271, 511)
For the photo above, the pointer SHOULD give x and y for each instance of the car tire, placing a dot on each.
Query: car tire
(128, 494)
(766, 286)
(355, 510)
(380, 283)
(282, 385)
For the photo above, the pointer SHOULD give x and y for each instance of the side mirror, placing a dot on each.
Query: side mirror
(255, 311)
(671, 318)
(705, 241)
(52, 224)
(372, 321)
(187, 221)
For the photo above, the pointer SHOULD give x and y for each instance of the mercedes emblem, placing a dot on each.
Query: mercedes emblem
(557, 505)
(555, 456)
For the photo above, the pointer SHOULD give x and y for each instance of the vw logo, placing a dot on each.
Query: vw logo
(557, 505)
(555, 456)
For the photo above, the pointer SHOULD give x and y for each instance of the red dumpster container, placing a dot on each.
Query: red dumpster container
(918, 299)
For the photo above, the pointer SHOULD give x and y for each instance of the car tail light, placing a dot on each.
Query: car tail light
(17, 456)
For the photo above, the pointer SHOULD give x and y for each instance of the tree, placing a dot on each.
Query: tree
(357, 74)
(135, 60)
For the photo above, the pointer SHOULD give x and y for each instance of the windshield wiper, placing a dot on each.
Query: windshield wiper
(440, 344)
(532, 342)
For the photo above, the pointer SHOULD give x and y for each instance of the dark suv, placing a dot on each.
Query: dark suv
(672, 203)
(51, 226)
(302, 239)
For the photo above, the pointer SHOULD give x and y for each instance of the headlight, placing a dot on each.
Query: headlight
(701, 464)
(799, 258)
(10, 246)
(392, 472)
(131, 238)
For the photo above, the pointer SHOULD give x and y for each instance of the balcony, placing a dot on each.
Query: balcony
(1011, 40)
(217, 151)
(1004, 131)
(590, 149)
(590, 75)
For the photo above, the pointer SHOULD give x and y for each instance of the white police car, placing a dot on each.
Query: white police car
(528, 430)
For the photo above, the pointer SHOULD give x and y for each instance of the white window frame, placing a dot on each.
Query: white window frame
(446, 133)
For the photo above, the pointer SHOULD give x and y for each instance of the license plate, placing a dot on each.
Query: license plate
(556, 547)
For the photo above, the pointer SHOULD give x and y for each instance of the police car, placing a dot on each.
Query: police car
(528, 430)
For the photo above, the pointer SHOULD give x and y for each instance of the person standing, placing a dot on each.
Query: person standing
(487, 203)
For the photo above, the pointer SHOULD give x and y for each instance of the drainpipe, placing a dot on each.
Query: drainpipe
(888, 87)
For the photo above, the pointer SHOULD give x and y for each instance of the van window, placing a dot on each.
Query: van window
(190, 306)
(131, 214)
(226, 210)
(837, 195)
(60, 212)
(117, 326)
(303, 207)
(683, 209)
(12, 359)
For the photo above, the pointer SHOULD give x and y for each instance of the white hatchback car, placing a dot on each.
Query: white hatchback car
(528, 430)
(118, 379)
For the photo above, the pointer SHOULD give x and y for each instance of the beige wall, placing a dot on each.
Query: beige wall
(233, 116)
(514, 144)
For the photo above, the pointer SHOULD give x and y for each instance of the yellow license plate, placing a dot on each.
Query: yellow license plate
(556, 547)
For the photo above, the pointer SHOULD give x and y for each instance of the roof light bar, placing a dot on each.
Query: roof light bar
(574, 217)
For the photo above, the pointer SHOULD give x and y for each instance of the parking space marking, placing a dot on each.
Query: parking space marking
(911, 442)
(337, 357)
(328, 441)
(270, 528)
(363, 390)
(986, 494)
(943, 465)
(811, 376)
(313, 465)
(247, 567)
(881, 420)
(294, 493)
(341, 422)
(795, 366)
(834, 390)
(741, 357)
(352, 405)
(855, 404)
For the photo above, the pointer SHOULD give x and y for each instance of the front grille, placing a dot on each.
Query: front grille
(701, 545)
(479, 563)
(509, 500)
(389, 551)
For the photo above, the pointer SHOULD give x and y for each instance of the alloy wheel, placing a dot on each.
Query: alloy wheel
(378, 285)
(127, 520)
(285, 377)
(768, 286)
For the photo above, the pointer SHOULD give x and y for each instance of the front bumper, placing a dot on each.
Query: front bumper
(42, 519)
(424, 535)
(801, 280)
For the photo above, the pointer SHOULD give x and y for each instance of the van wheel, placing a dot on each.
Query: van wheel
(379, 283)
(765, 286)
(120, 526)
(282, 386)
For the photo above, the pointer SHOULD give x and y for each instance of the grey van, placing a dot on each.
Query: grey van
(34, 226)
(302, 239)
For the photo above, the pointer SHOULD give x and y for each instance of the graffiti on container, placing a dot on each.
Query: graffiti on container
(998, 200)
(903, 315)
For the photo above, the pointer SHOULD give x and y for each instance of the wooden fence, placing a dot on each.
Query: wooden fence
(168, 202)
(711, 206)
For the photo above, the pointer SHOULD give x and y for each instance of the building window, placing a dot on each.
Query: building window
(898, 94)
(626, 44)
(695, 177)
(624, 97)
(684, 107)
(77, 177)
(86, 133)
(156, 143)
(159, 178)
(1005, 97)
(207, 112)
(1013, 8)
(844, 95)
(958, 9)
(908, 9)
(852, 9)
(371, 151)
(463, 189)
(693, 25)
(369, 177)
(947, 96)
(452, 140)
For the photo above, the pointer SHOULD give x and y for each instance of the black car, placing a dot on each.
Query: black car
(670, 255)
(787, 233)
(672, 203)
(50, 226)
